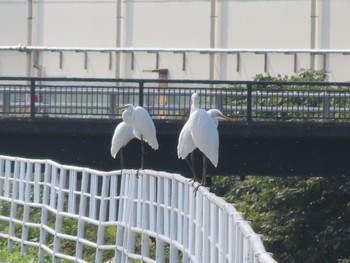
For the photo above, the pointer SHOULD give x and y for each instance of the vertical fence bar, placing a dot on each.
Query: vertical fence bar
(192, 228)
(231, 239)
(112, 101)
(326, 106)
(139, 206)
(213, 232)
(53, 186)
(59, 217)
(26, 208)
(206, 223)
(141, 91)
(173, 216)
(72, 188)
(102, 218)
(121, 229)
(180, 217)
(152, 202)
(160, 212)
(249, 103)
(112, 201)
(199, 226)
(7, 178)
(145, 240)
(82, 211)
(6, 104)
(32, 99)
(44, 211)
(93, 195)
(13, 210)
(22, 181)
(130, 216)
(37, 179)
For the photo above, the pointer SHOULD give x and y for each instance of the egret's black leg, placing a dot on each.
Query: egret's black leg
(204, 174)
(191, 165)
(142, 152)
(121, 158)
(204, 171)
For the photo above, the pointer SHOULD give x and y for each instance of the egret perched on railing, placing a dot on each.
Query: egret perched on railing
(200, 131)
(123, 133)
(186, 145)
(142, 127)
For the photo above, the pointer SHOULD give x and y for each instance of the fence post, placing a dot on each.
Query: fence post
(32, 99)
(326, 107)
(141, 86)
(112, 104)
(220, 101)
(249, 103)
(6, 104)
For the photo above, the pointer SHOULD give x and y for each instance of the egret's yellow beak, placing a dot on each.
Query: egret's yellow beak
(227, 118)
(120, 108)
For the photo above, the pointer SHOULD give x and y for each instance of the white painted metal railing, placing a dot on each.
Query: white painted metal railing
(157, 215)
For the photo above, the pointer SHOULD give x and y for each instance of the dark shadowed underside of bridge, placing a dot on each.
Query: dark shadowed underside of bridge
(278, 149)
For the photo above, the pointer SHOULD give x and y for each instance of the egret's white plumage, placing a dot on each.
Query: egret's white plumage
(141, 122)
(205, 134)
(185, 144)
(123, 133)
(195, 102)
(217, 115)
(200, 131)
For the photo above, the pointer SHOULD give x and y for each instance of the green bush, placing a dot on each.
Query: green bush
(302, 219)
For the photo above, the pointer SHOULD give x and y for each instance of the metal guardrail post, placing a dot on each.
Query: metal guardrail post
(141, 87)
(6, 97)
(220, 101)
(112, 104)
(32, 99)
(249, 103)
(326, 107)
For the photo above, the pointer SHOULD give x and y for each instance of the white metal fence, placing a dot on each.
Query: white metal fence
(128, 215)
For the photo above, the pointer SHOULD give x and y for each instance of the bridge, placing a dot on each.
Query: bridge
(280, 128)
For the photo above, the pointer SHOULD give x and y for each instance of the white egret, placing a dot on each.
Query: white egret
(123, 133)
(203, 128)
(143, 127)
(186, 145)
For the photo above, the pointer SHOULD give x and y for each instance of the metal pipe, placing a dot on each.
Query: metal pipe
(223, 28)
(315, 32)
(28, 48)
(118, 37)
(212, 38)
(30, 37)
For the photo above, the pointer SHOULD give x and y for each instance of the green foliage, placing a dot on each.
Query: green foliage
(302, 219)
(304, 75)
(294, 98)
(16, 257)
(68, 247)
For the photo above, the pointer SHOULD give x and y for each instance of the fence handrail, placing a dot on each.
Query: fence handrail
(28, 48)
(172, 81)
(144, 206)
(245, 100)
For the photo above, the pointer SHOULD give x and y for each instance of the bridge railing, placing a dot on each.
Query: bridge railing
(245, 100)
(84, 215)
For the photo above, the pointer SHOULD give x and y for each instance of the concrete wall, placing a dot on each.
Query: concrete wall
(259, 24)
